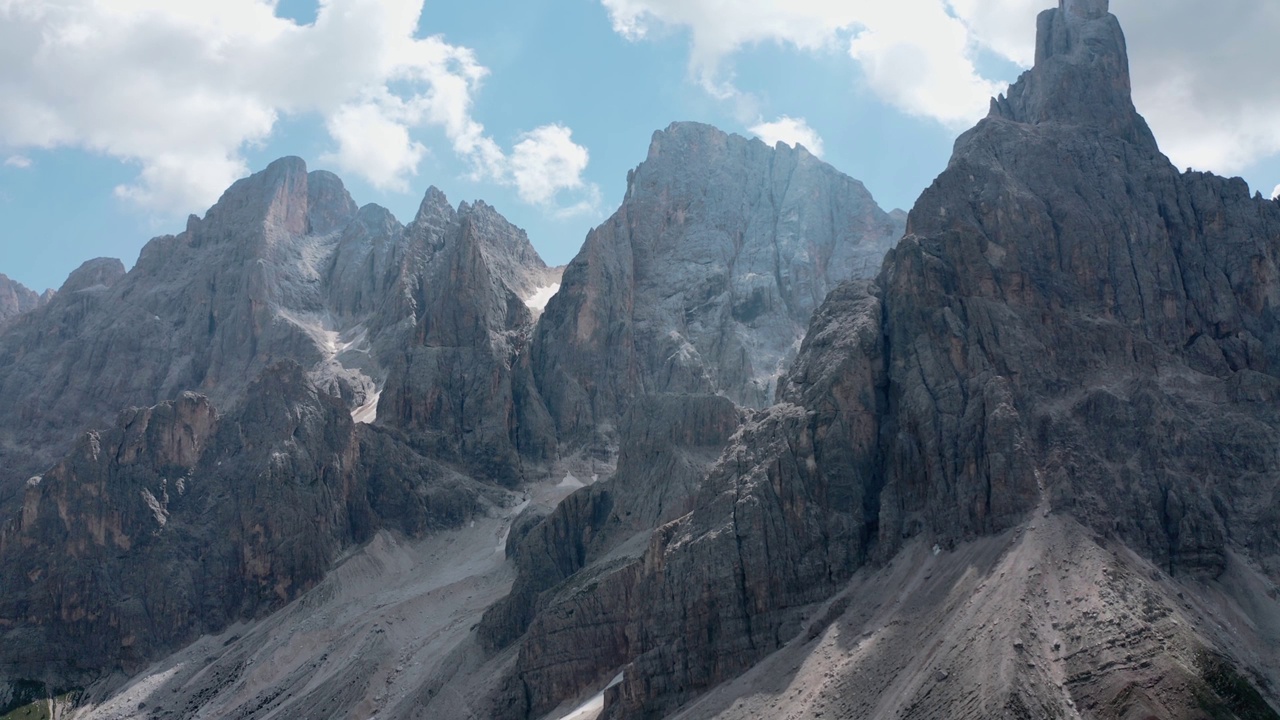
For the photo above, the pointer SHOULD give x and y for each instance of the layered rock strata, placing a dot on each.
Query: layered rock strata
(704, 280)
(16, 298)
(179, 521)
(284, 266)
(1069, 324)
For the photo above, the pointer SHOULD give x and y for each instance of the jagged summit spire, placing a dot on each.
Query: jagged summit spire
(1088, 9)
(1081, 74)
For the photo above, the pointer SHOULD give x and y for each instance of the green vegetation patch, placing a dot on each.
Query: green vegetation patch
(38, 710)
(1228, 695)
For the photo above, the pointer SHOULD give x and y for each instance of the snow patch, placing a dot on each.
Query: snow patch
(571, 482)
(540, 297)
(591, 709)
(367, 413)
(157, 508)
(506, 533)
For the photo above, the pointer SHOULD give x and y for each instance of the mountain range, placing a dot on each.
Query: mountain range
(762, 449)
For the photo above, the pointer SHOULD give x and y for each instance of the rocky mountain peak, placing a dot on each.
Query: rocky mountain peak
(1089, 9)
(459, 378)
(99, 272)
(1081, 74)
(16, 298)
(683, 133)
(435, 210)
(1071, 332)
(705, 278)
(329, 205)
(507, 249)
(282, 199)
(686, 150)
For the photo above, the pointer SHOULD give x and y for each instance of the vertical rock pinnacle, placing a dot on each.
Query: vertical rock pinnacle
(1088, 9)
(1081, 74)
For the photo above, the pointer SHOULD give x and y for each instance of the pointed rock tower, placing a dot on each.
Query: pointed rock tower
(1070, 333)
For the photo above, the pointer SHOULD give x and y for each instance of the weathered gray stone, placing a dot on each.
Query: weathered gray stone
(178, 522)
(1069, 323)
(704, 280)
(206, 311)
(16, 298)
(460, 381)
(285, 266)
(669, 443)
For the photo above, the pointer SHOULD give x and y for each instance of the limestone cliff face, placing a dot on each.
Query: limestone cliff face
(1085, 321)
(206, 310)
(460, 380)
(179, 521)
(1069, 324)
(16, 298)
(705, 278)
(284, 266)
(289, 310)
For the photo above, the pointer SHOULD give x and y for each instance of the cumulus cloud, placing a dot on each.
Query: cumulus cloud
(1005, 27)
(919, 58)
(1212, 102)
(372, 144)
(21, 162)
(792, 131)
(915, 54)
(181, 88)
(1275, 193)
(546, 161)
(1202, 71)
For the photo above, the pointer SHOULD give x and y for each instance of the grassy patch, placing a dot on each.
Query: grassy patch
(40, 709)
(1229, 695)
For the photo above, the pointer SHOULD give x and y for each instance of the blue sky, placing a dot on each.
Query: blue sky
(570, 77)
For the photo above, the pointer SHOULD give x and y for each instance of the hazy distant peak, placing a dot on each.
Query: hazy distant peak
(99, 272)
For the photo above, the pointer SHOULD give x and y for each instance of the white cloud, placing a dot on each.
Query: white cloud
(919, 58)
(915, 54)
(546, 161)
(372, 144)
(1275, 193)
(1203, 72)
(792, 131)
(1213, 101)
(21, 162)
(1005, 27)
(182, 88)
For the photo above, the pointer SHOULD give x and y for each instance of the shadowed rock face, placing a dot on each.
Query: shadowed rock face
(460, 380)
(1069, 324)
(179, 521)
(705, 278)
(669, 443)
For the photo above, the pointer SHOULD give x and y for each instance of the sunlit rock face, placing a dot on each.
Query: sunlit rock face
(704, 280)
(16, 298)
(284, 266)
